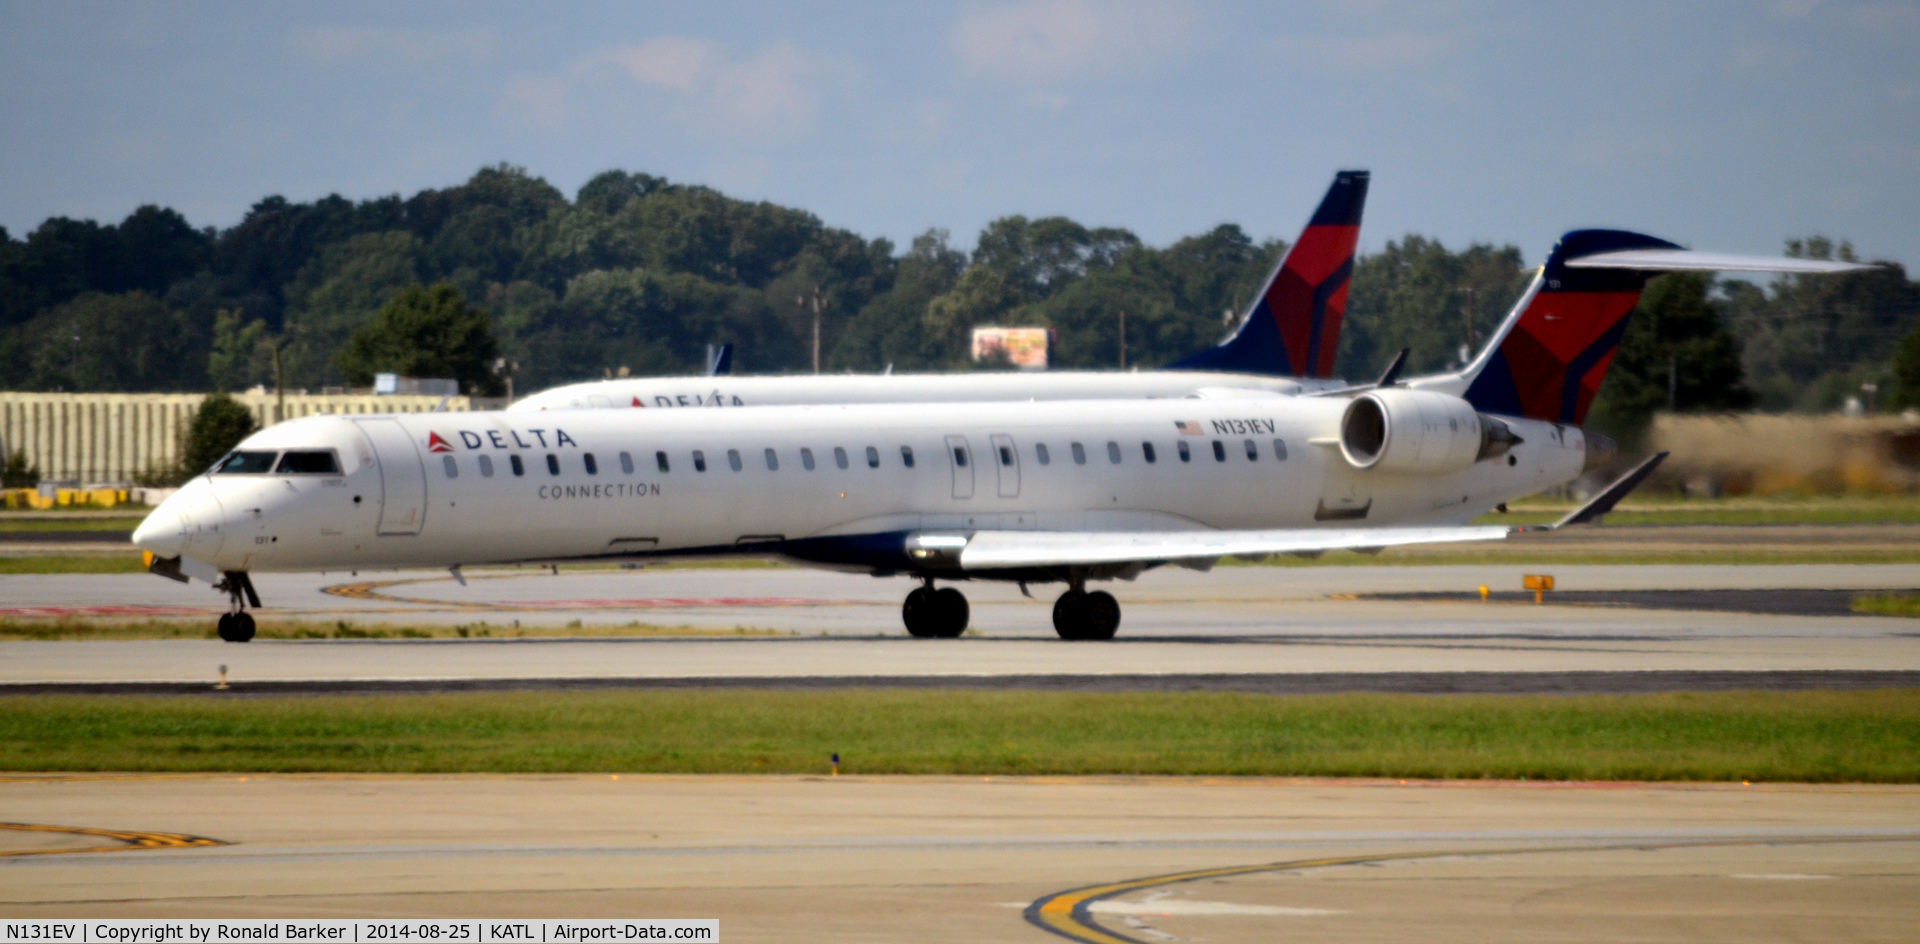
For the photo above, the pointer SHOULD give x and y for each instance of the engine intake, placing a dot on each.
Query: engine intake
(1419, 431)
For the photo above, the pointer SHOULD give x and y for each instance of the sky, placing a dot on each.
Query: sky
(1728, 126)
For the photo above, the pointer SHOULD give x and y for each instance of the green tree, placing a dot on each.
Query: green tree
(217, 426)
(1419, 295)
(425, 332)
(242, 354)
(1676, 353)
(1906, 372)
(129, 342)
(19, 471)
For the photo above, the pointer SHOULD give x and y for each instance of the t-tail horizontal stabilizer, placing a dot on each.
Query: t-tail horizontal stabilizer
(1547, 359)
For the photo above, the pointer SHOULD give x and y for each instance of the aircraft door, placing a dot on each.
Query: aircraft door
(403, 478)
(960, 459)
(1006, 461)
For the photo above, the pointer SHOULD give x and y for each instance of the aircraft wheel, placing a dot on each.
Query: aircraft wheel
(919, 613)
(1069, 615)
(951, 605)
(1102, 615)
(235, 627)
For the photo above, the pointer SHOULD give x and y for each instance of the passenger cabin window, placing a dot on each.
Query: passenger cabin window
(806, 458)
(553, 464)
(593, 467)
(1006, 455)
(1079, 454)
(660, 459)
(1280, 450)
(906, 456)
(699, 461)
(1180, 447)
(1253, 452)
(518, 467)
(308, 462)
(959, 456)
(1146, 449)
(1113, 452)
(733, 459)
(840, 457)
(1040, 453)
(452, 467)
(1219, 451)
(873, 458)
(246, 463)
(486, 466)
(626, 463)
(773, 461)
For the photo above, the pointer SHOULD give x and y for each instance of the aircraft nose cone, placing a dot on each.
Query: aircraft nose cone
(162, 533)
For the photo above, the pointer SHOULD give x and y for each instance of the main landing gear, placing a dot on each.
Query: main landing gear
(935, 614)
(236, 625)
(1082, 615)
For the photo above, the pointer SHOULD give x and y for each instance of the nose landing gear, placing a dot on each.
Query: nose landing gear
(935, 614)
(236, 625)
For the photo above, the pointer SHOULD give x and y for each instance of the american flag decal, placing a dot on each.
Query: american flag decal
(1188, 427)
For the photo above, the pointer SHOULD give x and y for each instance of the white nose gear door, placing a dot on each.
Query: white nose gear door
(960, 458)
(403, 478)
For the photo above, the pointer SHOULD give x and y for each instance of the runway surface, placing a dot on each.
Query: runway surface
(954, 859)
(1238, 621)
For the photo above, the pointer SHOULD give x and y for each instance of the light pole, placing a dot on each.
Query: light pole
(802, 301)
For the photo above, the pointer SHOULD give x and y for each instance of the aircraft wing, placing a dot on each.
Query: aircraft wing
(991, 550)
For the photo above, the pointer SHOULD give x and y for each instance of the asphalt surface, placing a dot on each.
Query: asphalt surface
(969, 859)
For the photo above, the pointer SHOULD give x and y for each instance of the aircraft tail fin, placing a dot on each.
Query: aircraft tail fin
(1293, 326)
(720, 362)
(1546, 361)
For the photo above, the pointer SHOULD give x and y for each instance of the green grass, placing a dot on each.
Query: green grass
(92, 628)
(17, 525)
(1535, 555)
(1893, 605)
(1805, 736)
(1638, 510)
(114, 562)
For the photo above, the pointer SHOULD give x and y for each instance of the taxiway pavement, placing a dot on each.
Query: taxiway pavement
(959, 859)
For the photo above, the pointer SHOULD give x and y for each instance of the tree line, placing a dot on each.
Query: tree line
(641, 273)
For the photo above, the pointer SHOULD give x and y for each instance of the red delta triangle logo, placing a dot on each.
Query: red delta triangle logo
(436, 444)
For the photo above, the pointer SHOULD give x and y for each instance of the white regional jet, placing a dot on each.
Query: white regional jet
(1062, 491)
(1285, 344)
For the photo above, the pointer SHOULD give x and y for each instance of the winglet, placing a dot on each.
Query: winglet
(720, 363)
(1392, 374)
(1598, 506)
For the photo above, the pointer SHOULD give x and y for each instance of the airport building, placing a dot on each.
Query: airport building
(89, 438)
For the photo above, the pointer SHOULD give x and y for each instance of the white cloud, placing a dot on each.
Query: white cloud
(772, 93)
(1391, 52)
(332, 45)
(1051, 41)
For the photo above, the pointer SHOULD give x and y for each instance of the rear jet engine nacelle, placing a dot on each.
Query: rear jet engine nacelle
(1417, 431)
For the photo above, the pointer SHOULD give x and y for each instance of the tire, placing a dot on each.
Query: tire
(953, 612)
(243, 627)
(1102, 615)
(919, 614)
(226, 628)
(1069, 615)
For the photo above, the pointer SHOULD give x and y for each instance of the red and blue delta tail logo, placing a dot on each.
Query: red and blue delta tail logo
(436, 444)
(1549, 367)
(1293, 329)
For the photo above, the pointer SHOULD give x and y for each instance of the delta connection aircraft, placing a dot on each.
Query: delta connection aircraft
(1285, 344)
(1063, 491)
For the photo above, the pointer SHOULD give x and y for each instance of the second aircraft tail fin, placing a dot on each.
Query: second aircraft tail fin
(1293, 327)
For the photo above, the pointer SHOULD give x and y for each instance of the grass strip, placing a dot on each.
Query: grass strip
(34, 525)
(95, 628)
(1759, 736)
(114, 562)
(1888, 605)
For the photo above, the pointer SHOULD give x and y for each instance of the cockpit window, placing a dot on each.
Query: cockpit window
(308, 462)
(247, 462)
